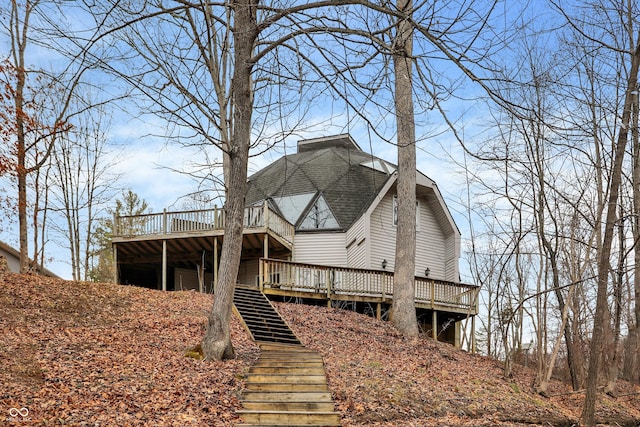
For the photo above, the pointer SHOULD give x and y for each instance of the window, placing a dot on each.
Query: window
(319, 216)
(293, 206)
(379, 165)
(395, 212)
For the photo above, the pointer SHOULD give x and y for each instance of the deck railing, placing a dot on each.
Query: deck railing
(199, 220)
(360, 282)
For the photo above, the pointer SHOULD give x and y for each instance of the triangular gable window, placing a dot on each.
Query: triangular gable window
(319, 216)
(293, 206)
(379, 165)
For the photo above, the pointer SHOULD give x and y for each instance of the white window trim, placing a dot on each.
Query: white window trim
(394, 212)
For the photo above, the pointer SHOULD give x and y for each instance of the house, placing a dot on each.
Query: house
(12, 256)
(342, 202)
(320, 225)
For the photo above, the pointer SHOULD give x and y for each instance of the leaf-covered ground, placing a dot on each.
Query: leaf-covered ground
(87, 354)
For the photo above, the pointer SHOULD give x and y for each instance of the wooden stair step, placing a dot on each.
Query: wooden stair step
(272, 337)
(287, 396)
(297, 370)
(293, 356)
(260, 318)
(275, 331)
(287, 364)
(268, 330)
(284, 418)
(291, 361)
(252, 303)
(286, 387)
(268, 405)
(286, 378)
(268, 327)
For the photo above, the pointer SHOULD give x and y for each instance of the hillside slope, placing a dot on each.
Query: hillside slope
(99, 354)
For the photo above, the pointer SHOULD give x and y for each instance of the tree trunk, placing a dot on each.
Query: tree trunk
(603, 315)
(613, 341)
(632, 349)
(542, 387)
(21, 167)
(216, 343)
(403, 312)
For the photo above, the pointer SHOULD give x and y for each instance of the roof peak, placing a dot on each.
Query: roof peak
(343, 141)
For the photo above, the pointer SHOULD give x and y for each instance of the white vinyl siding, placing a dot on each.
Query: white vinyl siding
(430, 246)
(382, 235)
(248, 271)
(434, 249)
(453, 248)
(12, 261)
(357, 244)
(321, 248)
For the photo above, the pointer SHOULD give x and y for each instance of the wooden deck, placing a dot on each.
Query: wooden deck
(148, 247)
(137, 234)
(158, 245)
(207, 221)
(294, 279)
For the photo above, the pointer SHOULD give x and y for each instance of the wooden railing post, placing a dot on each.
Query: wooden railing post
(265, 214)
(433, 292)
(164, 221)
(327, 280)
(261, 274)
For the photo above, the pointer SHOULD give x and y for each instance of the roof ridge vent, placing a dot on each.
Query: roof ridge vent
(341, 141)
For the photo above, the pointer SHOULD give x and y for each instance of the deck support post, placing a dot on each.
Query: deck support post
(215, 263)
(434, 325)
(473, 334)
(116, 276)
(265, 275)
(164, 265)
(456, 339)
(378, 310)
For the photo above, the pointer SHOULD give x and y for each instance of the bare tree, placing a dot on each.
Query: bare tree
(40, 103)
(82, 185)
(632, 348)
(403, 311)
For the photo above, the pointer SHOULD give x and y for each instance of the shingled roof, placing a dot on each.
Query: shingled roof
(331, 172)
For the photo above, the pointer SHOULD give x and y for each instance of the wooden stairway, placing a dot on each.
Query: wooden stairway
(287, 386)
(260, 318)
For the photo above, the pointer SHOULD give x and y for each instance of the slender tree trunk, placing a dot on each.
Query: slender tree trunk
(21, 165)
(603, 315)
(403, 309)
(216, 343)
(614, 340)
(543, 386)
(632, 349)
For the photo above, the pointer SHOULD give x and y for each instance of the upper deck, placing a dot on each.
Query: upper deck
(205, 222)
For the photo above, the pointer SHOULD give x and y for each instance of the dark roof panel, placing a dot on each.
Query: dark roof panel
(336, 172)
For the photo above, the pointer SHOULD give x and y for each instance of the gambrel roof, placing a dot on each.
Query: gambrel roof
(327, 184)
